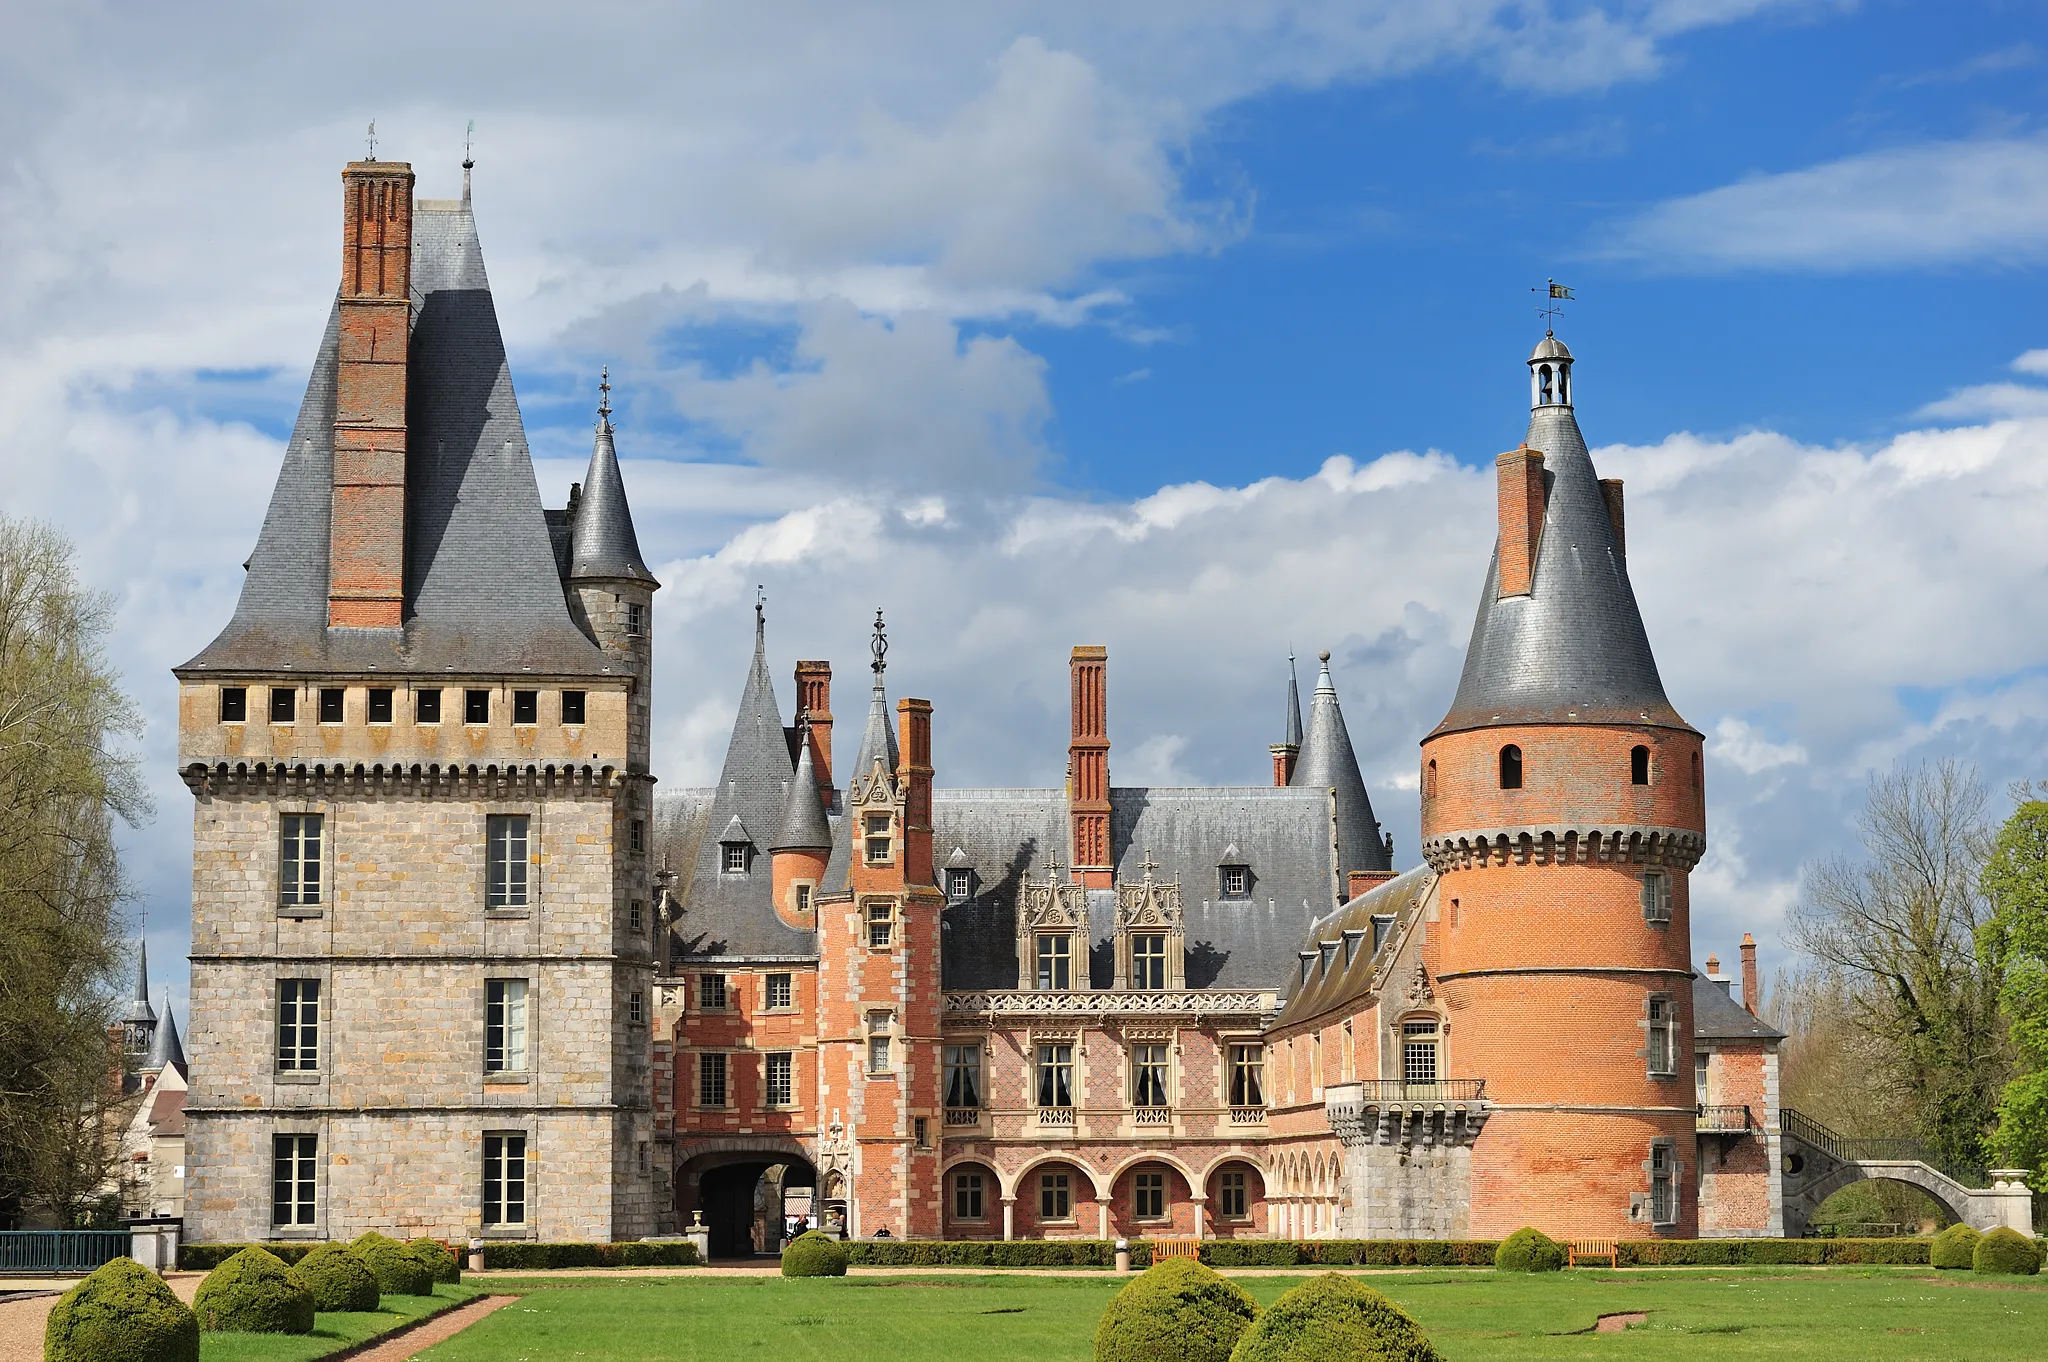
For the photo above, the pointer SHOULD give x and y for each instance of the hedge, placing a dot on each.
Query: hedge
(206, 1257)
(254, 1293)
(2007, 1251)
(814, 1254)
(1954, 1247)
(338, 1279)
(1331, 1317)
(1176, 1309)
(1771, 1252)
(516, 1254)
(123, 1312)
(1215, 1253)
(1529, 1249)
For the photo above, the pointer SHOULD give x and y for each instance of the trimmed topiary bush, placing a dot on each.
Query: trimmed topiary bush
(121, 1313)
(2008, 1252)
(814, 1253)
(398, 1271)
(1955, 1246)
(441, 1260)
(1332, 1317)
(254, 1293)
(338, 1279)
(1175, 1311)
(1529, 1250)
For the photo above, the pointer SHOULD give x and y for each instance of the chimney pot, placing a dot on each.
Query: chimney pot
(814, 697)
(1088, 766)
(1751, 993)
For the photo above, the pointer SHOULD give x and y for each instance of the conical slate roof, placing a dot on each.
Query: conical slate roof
(804, 827)
(602, 542)
(1328, 763)
(1293, 728)
(878, 739)
(164, 1047)
(482, 592)
(1574, 649)
(138, 1009)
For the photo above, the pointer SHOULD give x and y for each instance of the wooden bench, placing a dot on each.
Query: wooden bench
(1590, 1249)
(1162, 1249)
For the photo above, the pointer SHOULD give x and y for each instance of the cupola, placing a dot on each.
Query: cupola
(1550, 374)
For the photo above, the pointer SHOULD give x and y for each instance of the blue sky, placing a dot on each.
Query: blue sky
(1191, 329)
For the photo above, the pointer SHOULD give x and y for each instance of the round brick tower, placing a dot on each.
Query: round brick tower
(1563, 807)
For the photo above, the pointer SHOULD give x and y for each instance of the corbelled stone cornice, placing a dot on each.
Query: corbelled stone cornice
(1565, 844)
(424, 778)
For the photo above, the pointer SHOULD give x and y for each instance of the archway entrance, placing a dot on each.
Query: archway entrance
(750, 1199)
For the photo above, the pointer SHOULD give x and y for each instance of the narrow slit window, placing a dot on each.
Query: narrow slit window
(1511, 767)
(1639, 765)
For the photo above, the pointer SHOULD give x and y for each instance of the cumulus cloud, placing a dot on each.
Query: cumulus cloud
(1984, 199)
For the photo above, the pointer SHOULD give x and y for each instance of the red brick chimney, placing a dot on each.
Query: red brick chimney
(1610, 491)
(814, 697)
(1751, 993)
(914, 741)
(1088, 767)
(366, 548)
(1521, 517)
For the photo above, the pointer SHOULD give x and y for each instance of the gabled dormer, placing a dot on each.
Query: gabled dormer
(1151, 943)
(1052, 934)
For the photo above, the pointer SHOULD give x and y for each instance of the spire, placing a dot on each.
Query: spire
(165, 1048)
(1328, 763)
(803, 815)
(1293, 738)
(139, 1011)
(879, 739)
(1568, 645)
(602, 542)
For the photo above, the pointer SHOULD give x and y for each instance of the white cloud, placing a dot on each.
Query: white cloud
(2032, 362)
(1985, 199)
(1739, 743)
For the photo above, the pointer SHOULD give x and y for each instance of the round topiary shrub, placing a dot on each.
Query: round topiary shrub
(441, 1260)
(398, 1271)
(1331, 1317)
(1529, 1250)
(814, 1253)
(1955, 1246)
(2007, 1251)
(253, 1292)
(338, 1279)
(121, 1313)
(1175, 1311)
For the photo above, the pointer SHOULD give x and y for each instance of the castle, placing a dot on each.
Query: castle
(440, 985)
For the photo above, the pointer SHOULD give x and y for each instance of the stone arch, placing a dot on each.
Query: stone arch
(1245, 1157)
(1951, 1196)
(1059, 1156)
(993, 1191)
(1152, 1156)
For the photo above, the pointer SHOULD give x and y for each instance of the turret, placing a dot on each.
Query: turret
(802, 845)
(138, 1020)
(1562, 809)
(165, 1048)
(1328, 763)
(1287, 751)
(610, 589)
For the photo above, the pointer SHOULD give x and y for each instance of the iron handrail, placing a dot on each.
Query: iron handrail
(1858, 1149)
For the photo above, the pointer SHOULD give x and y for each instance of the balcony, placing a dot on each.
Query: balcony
(1380, 1091)
(1055, 1118)
(1722, 1120)
(1151, 1116)
(1247, 1116)
(963, 1116)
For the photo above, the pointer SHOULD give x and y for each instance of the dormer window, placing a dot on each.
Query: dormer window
(733, 858)
(876, 838)
(1055, 962)
(735, 846)
(959, 885)
(1148, 961)
(1236, 881)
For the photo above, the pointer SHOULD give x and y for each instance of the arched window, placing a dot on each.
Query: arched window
(1564, 384)
(1639, 765)
(1511, 767)
(1429, 780)
(1695, 770)
(1543, 385)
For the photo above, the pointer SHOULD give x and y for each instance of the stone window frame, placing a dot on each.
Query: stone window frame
(1646, 1210)
(526, 1125)
(1077, 1067)
(1397, 1050)
(1039, 957)
(536, 827)
(221, 705)
(1168, 1038)
(697, 1075)
(274, 863)
(880, 1024)
(508, 973)
(868, 923)
(1671, 1036)
(323, 1157)
(1067, 1191)
(694, 994)
(872, 840)
(768, 1102)
(1165, 1187)
(1227, 1043)
(1243, 1215)
(978, 1046)
(957, 1178)
(1656, 897)
(768, 1003)
(803, 897)
(324, 973)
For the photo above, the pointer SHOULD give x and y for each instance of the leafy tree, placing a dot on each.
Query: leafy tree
(1902, 925)
(2015, 881)
(63, 782)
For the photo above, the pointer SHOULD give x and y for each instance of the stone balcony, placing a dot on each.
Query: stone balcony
(1390, 1111)
(1724, 1120)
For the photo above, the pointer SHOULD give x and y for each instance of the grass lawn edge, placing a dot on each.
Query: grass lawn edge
(442, 1305)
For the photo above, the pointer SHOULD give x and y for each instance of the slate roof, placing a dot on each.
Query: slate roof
(602, 543)
(1341, 982)
(804, 825)
(1573, 649)
(1291, 735)
(165, 1048)
(1716, 1016)
(1327, 762)
(138, 1009)
(482, 590)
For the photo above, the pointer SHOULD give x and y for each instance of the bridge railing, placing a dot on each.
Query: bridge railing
(1857, 1149)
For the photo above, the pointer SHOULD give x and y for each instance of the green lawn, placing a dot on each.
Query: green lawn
(331, 1333)
(1722, 1315)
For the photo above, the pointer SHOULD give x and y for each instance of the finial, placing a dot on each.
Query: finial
(760, 608)
(1554, 293)
(604, 398)
(1322, 657)
(469, 135)
(372, 136)
(1149, 865)
(1052, 869)
(879, 646)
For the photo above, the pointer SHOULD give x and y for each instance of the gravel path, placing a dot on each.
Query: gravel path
(22, 1321)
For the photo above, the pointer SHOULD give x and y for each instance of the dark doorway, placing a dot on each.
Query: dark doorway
(728, 1201)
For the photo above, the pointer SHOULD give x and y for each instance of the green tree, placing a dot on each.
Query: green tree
(1902, 925)
(64, 780)
(2015, 881)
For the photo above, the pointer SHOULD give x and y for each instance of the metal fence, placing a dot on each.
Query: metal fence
(59, 1251)
(1804, 1127)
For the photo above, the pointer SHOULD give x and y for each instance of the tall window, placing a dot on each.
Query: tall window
(781, 1080)
(711, 1079)
(299, 858)
(1700, 1070)
(1149, 1196)
(635, 916)
(293, 1178)
(1656, 896)
(1511, 767)
(711, 994)
(881, 925)
(780, 992)
(963, 1076)
(1660, 1036)
(504, 1180)
(636, 1007)
(1056, 1075)
(505, 850)
(298, 1025)
(803, 899)
(877, 841)
(967, 1198)
(1248, 1075)
(505, 1026)
(1148, 961)
(1231, 1197)
(572, 706)
(1418, 1051)
(1663, 1185)
(1055, 1197)
(1148, 1075)
(636, 619)
(1639, 766)
(878, 1054)
(1056, 962)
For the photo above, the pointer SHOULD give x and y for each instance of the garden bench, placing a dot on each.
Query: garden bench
(1593, 1248)
(1162, 1249)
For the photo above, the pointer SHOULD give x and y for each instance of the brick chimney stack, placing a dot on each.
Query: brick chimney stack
(814, 697)
(1751, 993)
(1520, 473)
(1088, 767)
(366, 547)
(914, 741)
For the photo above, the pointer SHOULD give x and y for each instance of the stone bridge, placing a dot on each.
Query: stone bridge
(1819, 1163)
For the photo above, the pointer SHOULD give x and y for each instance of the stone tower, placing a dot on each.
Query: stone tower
(421, 945)
(1563, 808)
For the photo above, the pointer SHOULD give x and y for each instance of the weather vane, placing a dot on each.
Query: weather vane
(1550, 311)
(469, 135)
(372, 136)
(604, 396)
(879, 646)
